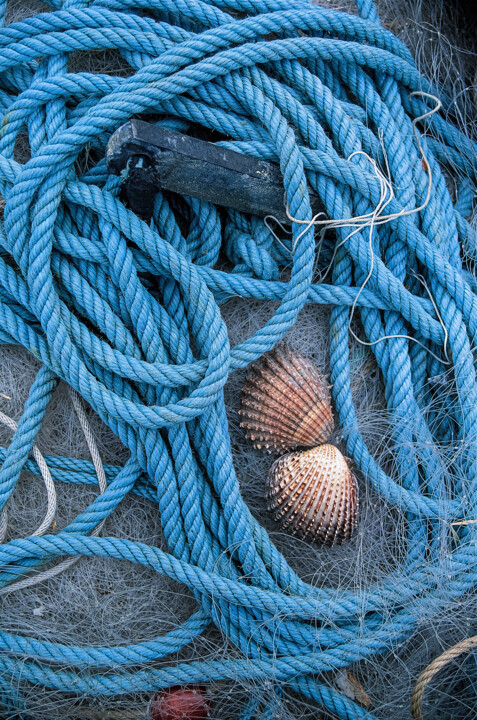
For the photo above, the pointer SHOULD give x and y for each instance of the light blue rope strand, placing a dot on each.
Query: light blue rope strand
(69, 239)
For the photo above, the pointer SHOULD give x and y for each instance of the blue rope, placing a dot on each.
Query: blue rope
(128, 315)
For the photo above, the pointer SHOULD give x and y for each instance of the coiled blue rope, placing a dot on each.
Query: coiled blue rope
(128, 315)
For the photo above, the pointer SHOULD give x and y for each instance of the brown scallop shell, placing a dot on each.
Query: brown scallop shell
(313, 494)
(286, 403)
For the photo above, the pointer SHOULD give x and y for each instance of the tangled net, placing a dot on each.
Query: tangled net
(128, 315)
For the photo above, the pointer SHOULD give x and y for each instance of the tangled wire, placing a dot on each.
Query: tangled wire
(127, 313)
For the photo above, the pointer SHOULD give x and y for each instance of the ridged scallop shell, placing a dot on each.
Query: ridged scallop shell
(286, 403)
(313, 494)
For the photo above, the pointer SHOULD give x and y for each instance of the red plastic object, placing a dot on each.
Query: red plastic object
(180, 703)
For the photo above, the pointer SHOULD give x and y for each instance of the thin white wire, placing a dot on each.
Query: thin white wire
(102, 482)
(387, 219)
(361, 221)
(371, 220)
(49, 485)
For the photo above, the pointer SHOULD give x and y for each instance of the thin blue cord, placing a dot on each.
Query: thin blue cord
(128, 315)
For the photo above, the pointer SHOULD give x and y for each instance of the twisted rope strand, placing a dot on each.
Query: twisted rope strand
(433, 668)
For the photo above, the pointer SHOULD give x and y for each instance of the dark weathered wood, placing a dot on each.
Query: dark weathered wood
(152, 158)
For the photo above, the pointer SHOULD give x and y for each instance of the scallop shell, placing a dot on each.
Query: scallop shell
(286, 403)
(313, 494)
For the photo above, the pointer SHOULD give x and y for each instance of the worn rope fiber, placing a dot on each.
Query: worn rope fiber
(128, 315)
(464, 646)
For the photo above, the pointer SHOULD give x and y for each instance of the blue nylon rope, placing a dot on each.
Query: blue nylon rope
(128, 315)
